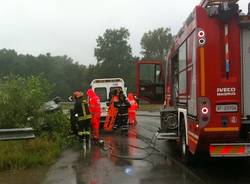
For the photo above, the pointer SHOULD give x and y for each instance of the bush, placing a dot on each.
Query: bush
(22, 99)
(55, 126)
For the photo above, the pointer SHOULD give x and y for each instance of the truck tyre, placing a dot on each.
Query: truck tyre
(186, 155)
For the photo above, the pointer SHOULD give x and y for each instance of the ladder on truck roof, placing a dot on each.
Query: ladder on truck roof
(206, 3)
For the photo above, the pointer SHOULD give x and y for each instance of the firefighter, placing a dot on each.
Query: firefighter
(95, 110)
(112, 93)
(122, 116)
(132, 109)
(81, 112)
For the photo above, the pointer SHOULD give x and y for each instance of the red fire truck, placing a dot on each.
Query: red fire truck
(205, 82)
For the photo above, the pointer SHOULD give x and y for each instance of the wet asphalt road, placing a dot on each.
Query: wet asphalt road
(131, 159)
(207, 170)
(123, 159)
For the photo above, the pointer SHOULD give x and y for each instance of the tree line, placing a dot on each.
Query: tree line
(113, 54)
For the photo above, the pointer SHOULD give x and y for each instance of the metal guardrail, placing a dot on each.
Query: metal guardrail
(66, 103)
(16, 134)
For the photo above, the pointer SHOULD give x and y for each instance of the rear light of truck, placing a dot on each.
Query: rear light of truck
(201, 37)
(204, 111)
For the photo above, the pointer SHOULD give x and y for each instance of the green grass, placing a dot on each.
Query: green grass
(51, 139)
(15, 155)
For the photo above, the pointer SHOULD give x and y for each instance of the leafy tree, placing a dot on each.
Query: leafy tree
(114, 56)
(113, 47)
(156, 43)
(114, 59)
(60, 71)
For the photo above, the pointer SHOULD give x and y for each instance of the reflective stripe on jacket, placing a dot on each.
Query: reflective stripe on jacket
(81, 108)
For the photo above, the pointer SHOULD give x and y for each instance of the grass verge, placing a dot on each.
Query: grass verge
(15, 155)
(150, 107)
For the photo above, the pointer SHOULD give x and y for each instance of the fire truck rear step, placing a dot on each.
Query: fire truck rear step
(167, 136)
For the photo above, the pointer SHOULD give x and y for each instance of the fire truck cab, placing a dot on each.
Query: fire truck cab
(206, 82)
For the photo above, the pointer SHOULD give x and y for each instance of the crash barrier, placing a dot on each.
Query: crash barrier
(16, 134)
(67, 103)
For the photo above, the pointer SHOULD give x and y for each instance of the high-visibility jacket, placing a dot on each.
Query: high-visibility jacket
(81, 108)
(132, 109)
(133, 103)
(86, 112)
(94, 105)
(95, 110)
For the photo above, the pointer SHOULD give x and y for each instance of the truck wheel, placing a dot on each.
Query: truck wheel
(186, 155)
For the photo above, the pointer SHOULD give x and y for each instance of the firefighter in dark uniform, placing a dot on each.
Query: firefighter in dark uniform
(112, 93)
(122, 116)
(83, 116)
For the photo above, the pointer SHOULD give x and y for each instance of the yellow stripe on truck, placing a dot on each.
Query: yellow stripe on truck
(222, 129)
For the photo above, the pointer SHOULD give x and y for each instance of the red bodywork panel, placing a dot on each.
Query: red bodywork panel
(216, 81)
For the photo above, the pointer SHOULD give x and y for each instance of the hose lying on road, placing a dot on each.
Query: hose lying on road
(150, 145)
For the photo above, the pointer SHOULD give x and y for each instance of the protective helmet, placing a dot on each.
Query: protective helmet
(77, 94)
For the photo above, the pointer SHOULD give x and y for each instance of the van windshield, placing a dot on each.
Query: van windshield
(101, 93)
(114, 88)
(118, 88)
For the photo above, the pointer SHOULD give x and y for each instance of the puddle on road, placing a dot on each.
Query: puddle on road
(27, 176)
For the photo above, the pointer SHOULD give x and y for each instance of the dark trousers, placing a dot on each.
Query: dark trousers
(73, 122)
(122, 120)
(84, 125)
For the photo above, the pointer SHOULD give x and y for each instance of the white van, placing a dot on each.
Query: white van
(102, 87)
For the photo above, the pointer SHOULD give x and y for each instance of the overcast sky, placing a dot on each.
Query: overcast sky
(71, 27)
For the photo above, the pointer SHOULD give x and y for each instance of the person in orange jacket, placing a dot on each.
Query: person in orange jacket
(111, 118)
(132, 110)
(95, 110)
